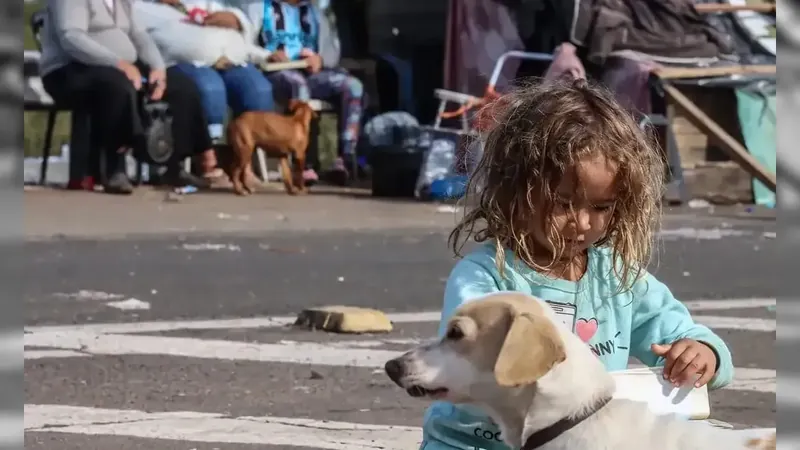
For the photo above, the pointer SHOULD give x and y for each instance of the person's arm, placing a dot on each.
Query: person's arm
(328, 45)
(71, 22)
(659, 318)
(249, 13)
(145, 46)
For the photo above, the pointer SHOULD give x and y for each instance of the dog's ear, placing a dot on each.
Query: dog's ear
(294, 104)
(531, 348)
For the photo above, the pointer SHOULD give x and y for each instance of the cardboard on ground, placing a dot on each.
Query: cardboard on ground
(646, 384)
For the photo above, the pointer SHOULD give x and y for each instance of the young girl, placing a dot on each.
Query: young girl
(569, 198)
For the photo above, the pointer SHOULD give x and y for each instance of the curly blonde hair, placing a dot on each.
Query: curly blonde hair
(537, 133)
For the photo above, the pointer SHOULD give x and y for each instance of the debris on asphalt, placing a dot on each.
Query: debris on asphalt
(686, 274)
(700, 233)
(88, 295)
(315, 375)
(698, 203)
(172, 197)
(284, 250)
(448, 209)
(131, 304)
(206, 246)
(770, 234)
(226, 216)
(185, 190)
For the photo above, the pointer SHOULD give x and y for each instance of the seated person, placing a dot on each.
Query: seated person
(94, 57)
(297, 29)
(194, 37)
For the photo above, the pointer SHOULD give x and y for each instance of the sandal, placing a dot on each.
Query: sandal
(217, 178)
(214, 174)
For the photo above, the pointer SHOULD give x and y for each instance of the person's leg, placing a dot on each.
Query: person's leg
(347, 92)
(289, 84)
(213, 94)
(189, 126)
(111, 101)
(248, 89)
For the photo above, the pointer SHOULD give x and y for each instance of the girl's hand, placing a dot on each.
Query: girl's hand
(686, 358)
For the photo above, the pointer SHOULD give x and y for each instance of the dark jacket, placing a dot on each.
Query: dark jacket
(667, 28)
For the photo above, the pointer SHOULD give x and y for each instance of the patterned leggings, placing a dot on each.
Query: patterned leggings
(334, 85)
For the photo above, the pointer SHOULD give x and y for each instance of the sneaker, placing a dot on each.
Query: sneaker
(119, 184)
(180, 178)
(81, 184)
(310, 177)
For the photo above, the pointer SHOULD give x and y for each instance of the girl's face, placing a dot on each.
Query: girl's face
(583, 207)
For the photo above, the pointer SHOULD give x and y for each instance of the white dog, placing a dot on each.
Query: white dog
(508, 354)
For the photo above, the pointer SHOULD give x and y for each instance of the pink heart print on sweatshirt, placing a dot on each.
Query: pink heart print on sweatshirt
(586, 329)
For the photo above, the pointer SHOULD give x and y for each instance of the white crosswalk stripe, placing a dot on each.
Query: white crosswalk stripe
(48, 344)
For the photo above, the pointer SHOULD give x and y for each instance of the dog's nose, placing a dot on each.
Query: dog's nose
(394, 368)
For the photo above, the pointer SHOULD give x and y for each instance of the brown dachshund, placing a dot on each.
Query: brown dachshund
(279, 136)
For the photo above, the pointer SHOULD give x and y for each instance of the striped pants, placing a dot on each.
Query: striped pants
(332, 85)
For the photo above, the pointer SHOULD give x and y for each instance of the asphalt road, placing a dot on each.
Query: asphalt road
(238, 384)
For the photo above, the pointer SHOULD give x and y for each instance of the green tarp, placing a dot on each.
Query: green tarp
(758, 120)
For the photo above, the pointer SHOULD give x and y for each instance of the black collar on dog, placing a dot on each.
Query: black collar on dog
(555, 430)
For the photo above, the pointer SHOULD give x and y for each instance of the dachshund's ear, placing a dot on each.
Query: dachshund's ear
(293, 104)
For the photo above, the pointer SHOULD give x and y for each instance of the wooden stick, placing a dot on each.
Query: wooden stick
(671, 73)
(286, 65)
(736, 151)
(710, 8)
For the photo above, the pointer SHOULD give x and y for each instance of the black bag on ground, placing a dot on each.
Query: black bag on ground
(394, 154)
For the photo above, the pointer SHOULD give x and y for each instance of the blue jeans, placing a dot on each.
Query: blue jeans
(244, 88)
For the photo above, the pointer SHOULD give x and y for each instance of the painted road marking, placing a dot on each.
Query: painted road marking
(754, 379)
(292, 352)
(353, 354)
(736, 323)
(718, 322)
(209, 427)
(43, 354)
(732, 303)
(218, 428)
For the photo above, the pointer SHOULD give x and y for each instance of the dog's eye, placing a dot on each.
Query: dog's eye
(455, 333)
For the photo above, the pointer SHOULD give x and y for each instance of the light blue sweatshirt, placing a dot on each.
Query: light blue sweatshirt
(615, 326)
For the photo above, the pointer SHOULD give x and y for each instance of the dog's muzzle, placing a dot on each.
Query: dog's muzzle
(396, 370)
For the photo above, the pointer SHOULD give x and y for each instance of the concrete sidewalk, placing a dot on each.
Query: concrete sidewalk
(77, 214)
(59, 213)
